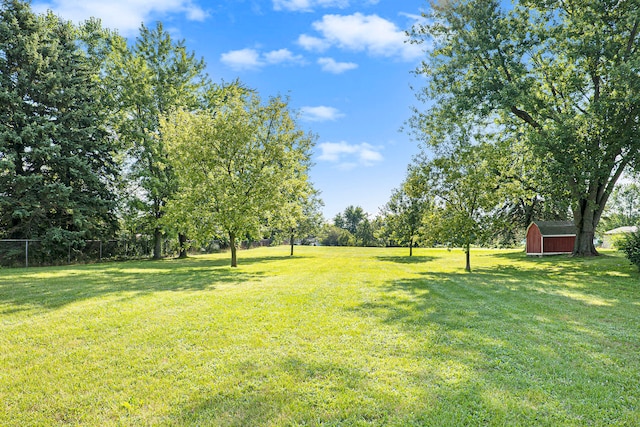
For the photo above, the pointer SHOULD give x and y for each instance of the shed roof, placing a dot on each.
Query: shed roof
(623, 230)
(556, 228)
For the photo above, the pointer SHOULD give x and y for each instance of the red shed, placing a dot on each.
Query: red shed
(551, 237)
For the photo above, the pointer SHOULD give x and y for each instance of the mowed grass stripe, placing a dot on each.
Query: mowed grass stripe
(332, 336)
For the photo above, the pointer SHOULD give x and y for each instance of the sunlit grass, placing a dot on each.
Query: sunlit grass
(332, 336)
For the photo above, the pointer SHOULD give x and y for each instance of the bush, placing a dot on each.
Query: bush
(336, 236)
(630, 245)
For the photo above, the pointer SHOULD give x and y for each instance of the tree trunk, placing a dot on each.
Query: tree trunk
(182, 240)
(291, 242)
(529, 209)
(410, 247)
(585, 217)
(584, 244)
(467, 252)
(157, 243)
(232, 244)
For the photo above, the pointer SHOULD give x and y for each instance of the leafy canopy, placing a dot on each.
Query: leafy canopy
(157, 75)
(238, 164)
(404, 213)
(561, 76)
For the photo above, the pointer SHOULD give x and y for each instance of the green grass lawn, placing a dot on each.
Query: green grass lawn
(332, 337)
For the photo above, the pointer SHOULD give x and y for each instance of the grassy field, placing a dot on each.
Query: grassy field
(332, 337)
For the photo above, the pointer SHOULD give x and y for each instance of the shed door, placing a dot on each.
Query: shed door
(534, 240)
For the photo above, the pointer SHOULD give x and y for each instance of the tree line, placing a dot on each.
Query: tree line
(530, 111)
(100, 138)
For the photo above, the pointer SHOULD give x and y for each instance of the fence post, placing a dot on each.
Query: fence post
(100, 256)
(26, 253)
(69, 254)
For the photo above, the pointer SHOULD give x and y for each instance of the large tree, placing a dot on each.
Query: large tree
(158, 75)
(560, 75)
(356, 222)
(238, 164)
(56, 153)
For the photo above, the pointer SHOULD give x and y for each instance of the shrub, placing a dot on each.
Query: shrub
(630, 245)
(336, 236)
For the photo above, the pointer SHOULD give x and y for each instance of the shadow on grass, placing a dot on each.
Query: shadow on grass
(292, 391)
(585, 271)
(406, 259)
(170, 263)
(53, 287)
(553, 259)
(542, 342)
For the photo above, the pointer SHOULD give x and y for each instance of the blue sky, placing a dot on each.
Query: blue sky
(343, 63)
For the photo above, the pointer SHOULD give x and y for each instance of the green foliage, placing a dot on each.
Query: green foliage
(157, 76)
(404, 213)
(462, 181)
(303, 217)
(623, 208)
(332, 235)
(560, 76)
(365, 234)
(350, 219)
(360, 230)
(239, 165)
(527, 191)
(57, 166)
(630, 245)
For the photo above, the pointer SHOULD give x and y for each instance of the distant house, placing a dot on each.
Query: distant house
(611, 237)
(550, 237)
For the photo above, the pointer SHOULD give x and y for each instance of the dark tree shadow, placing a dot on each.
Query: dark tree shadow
(53, 287)
(524, 334)
(406, 259)
(259, 401)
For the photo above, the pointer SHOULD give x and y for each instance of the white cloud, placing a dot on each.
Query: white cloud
(414, 17)
(307, 5)
(347, 156)
(310, 5)
(330, 65)
(123, 15)
(243, 59)
(320, 114)
(251, 59)
(369, 33)
(282, 56)
(313, 43)
(368, 155)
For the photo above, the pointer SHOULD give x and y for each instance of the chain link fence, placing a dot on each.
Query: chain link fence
(31, 253)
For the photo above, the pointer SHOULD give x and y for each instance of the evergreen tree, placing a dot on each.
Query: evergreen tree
(56, 154)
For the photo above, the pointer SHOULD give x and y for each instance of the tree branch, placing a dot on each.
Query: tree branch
(595, 78)
(630, 43)
(526, 117)
(605, 191)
